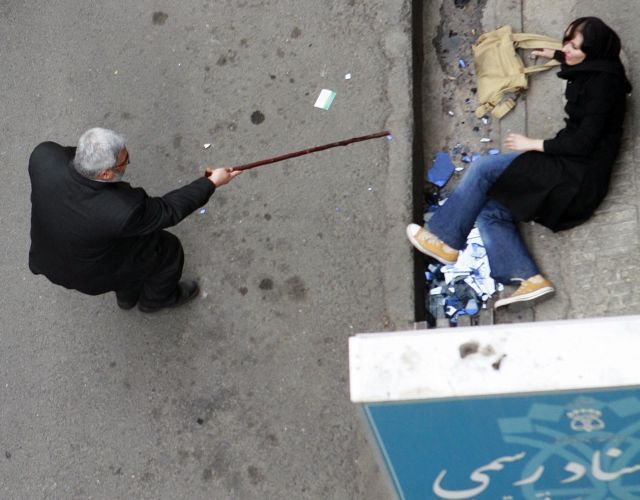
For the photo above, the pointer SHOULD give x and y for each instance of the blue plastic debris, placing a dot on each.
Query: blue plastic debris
(462, 64)
(466, 158)
(441, 170)
(472, 307)
(494, 151)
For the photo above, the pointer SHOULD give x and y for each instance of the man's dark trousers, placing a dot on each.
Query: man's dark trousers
(160, 286)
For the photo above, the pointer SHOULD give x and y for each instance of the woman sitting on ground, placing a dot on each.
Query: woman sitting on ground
(557, 182)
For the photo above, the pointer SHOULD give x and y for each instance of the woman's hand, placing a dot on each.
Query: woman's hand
(548, 53)
(519, 142)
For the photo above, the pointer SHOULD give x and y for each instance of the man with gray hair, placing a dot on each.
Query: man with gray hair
(94, 233)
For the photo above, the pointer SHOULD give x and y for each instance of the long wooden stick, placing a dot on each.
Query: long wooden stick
(275, 159)
(346, 142)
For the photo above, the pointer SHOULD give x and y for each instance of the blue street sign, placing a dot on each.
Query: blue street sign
(564, 445)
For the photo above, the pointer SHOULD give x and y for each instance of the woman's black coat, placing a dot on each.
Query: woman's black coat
(562, 187)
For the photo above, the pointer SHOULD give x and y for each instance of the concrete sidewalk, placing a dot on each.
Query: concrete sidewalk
(594, 266)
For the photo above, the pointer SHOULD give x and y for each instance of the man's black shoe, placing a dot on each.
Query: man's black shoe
(126, 305)
(127, 299)
(187, 291)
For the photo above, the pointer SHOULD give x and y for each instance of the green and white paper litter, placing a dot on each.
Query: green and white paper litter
(325, 99)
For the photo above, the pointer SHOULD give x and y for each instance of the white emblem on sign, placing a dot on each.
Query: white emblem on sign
(586, 420)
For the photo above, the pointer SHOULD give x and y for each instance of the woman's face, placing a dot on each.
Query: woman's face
(572, 53)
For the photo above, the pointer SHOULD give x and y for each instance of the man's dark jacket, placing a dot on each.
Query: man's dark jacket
(95, 236)
(563, 186)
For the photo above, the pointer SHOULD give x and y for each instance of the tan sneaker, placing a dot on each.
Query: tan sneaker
(531, 291)
(429, 244)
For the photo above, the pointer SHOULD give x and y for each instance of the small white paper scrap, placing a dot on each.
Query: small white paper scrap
(207, 146)
(325, 99)
(347, 76)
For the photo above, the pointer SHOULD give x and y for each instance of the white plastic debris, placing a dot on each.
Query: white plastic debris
(207, 146)
(451, 311)
(347, 76)
(473, 263)
(325, 99)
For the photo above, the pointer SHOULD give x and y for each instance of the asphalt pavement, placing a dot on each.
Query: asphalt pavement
(244, 393)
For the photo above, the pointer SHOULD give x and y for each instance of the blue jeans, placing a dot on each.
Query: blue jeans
(508, 256)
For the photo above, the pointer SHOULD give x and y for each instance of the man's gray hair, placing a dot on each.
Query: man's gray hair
(97, 150)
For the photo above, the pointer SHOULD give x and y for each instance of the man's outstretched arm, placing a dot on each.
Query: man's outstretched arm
(155, 213)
